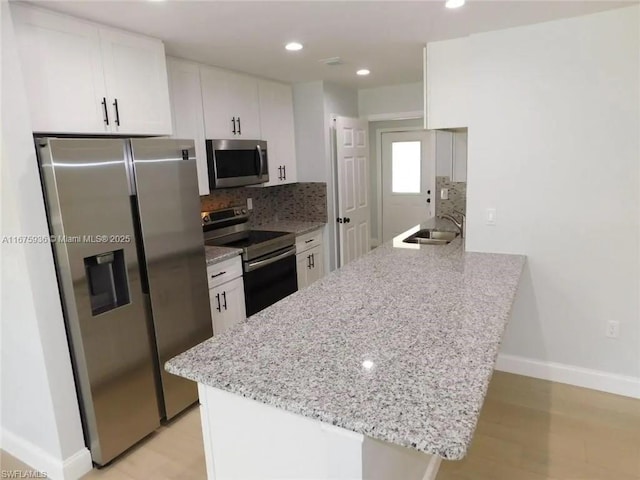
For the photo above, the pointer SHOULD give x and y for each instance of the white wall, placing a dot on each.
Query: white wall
(39, 415)
(381, 101)
(314, 103)
(554, 147)
(308, 112)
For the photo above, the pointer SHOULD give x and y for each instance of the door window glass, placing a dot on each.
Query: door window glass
(405, 167)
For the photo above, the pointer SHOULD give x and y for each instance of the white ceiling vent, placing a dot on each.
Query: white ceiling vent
(332, 61)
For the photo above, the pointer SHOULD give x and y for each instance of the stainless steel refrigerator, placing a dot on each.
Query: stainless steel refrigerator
(124, 215)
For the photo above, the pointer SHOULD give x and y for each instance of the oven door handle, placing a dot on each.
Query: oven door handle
(261, 157)
(251, 266)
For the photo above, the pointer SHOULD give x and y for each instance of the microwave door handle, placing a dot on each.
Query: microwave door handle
(261, 158)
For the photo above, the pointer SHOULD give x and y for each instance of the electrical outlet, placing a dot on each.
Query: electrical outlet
(613, 329)
(491, 216)
(249, 204)
(444, 193)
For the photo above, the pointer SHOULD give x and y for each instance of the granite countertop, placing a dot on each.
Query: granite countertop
(399, 345)
(291, 226)
(218, 254)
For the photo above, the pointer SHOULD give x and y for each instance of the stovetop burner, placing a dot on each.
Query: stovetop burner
(256, 236)
(230, 228)
(256, 243)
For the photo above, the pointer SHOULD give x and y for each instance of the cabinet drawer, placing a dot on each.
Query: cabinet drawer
(308, 240)
(222, 272)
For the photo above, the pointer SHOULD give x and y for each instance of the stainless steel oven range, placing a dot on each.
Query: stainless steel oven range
(268, 258)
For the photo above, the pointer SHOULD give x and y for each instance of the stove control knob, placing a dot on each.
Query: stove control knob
(244, 211)
(206, 219)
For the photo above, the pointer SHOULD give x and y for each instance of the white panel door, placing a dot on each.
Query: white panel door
(227, 305)
(62, 65)
(230, 103)
(136, 78)
(277, 128)
(186, 110)
(407, 181)
(354, 210)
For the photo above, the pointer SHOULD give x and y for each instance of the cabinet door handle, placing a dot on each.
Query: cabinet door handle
(115, 104)
(310, 240)
(284, 172)
(218, 300)
(224, 297)
(218, 274)
(308, 261)
(234, 125)
(279, 173)
(105, 110)
(239, 127)
(313, 260)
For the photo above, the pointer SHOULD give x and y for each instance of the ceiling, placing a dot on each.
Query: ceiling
(384, 36)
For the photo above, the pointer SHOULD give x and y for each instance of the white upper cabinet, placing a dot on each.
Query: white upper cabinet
(76, 70)
(447, 84)
(230, 104)
(136, 79)
(186, 109)
(276, 120)
(62, 67)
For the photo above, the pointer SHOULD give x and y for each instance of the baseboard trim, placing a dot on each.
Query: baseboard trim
(580, 377)
(72, 468)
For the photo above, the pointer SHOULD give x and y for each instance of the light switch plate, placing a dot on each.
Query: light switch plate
(249, 204)
(491, 216)
(444, 193)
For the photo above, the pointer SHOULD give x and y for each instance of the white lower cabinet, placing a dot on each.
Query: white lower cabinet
(226, 294)
(309, 258)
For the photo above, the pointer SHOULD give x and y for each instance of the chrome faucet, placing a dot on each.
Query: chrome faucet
(460, 224)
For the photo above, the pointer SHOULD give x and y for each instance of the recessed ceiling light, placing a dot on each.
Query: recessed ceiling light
(454, 3)
(293, 46)
(362, 72)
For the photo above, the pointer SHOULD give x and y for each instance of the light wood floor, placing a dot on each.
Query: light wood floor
(528, 430)
(536, 430)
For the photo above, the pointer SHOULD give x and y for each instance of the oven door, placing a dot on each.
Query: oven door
(234, 163)
(269, 279)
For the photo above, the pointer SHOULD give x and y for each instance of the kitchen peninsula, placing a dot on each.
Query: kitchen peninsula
(377, 371)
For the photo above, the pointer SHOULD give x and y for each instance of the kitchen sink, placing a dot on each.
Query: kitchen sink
(429, 236)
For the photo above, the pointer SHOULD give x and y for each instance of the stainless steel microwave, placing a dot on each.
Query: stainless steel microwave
(235, 163)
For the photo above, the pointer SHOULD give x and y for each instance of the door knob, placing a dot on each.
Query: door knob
(346, 219)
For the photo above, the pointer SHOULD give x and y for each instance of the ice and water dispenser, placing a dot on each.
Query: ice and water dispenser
(107, 278)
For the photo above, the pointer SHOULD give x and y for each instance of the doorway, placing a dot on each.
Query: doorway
(407, 180)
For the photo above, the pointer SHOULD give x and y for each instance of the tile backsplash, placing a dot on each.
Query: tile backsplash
(306, 201)
(457, 196)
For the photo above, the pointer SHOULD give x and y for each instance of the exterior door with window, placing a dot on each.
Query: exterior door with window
(407, 181)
